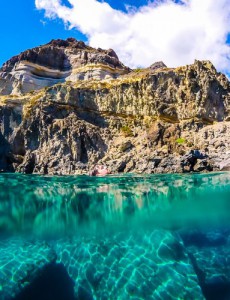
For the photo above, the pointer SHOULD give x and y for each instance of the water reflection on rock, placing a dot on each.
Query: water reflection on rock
(65, 205)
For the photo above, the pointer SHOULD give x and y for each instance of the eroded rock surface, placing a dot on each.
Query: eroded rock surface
(138, 266)
(21, 262)
(58, 61)
(209, 254)
(143, 121)
(153, 266)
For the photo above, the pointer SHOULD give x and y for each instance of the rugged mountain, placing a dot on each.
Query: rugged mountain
(144, 120)
(55, 62)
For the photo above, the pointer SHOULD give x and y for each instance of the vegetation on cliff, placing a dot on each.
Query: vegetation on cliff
(142, 121)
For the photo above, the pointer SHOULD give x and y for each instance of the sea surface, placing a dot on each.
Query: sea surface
(115, 237)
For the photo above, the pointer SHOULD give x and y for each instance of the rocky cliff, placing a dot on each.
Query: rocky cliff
(57, 62)
(65, 107)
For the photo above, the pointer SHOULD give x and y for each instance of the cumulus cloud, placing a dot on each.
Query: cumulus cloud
(176, 32)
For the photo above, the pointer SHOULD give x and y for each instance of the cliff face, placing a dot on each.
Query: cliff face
(57, 62)
(132, 121)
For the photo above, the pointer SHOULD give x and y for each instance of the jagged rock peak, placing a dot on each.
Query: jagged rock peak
(34, 54)
(75, 44)
(70, 42)
(54, 53)
(58, 61)
(158, 65)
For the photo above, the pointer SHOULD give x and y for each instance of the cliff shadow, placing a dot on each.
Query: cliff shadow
(6, 163)
(92, 117)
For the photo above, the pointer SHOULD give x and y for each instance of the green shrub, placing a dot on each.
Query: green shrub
(180, 141)
(127, 131)
(137, 70)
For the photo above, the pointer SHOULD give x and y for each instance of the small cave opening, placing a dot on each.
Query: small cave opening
(52, 283)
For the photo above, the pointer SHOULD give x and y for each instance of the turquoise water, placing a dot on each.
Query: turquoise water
(115, 237)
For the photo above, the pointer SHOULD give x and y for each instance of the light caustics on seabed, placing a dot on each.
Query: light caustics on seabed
(115, 237)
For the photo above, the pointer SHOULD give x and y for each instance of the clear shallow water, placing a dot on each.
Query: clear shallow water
(115, 237)
(49, 206)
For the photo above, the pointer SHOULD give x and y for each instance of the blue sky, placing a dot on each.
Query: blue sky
(24, 27)
(21, 28)
(168, 31)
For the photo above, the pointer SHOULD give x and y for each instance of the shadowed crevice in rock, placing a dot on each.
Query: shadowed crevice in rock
(199, 240)
(84, 157)
(205, 250)
(53, 283)
(11, 138)
(216, 289)
(4, 149)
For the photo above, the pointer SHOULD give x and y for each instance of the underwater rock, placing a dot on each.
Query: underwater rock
(151, 265)
(210, 255)
(20, 263)
(52, 283)
(100, 238)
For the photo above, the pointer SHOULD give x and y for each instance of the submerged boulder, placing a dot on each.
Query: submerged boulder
(153, 265)
(20, 263)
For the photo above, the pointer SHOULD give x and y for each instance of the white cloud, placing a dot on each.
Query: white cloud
(176, 33)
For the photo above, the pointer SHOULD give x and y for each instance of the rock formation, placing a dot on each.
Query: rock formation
(158, 65)
(57, 62)
(93, 110)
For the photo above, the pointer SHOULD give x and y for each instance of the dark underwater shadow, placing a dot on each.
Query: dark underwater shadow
(53, 283)
(217, 289)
